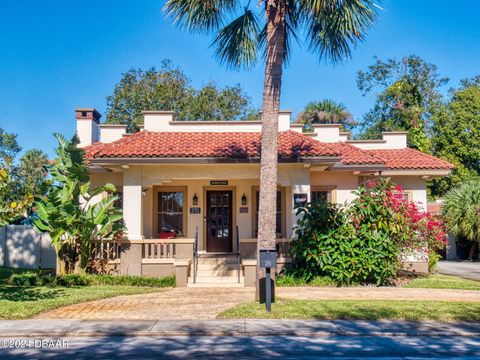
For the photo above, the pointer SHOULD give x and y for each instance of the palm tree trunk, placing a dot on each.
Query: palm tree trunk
(275, 13)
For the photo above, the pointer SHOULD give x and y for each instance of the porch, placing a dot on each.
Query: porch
(180, 258)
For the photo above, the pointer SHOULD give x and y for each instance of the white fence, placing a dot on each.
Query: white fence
(22, 247)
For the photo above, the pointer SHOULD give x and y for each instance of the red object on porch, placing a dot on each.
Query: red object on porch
(167, 235)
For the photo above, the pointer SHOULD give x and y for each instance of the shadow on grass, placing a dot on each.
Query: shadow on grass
(359, 310)
(17, 293)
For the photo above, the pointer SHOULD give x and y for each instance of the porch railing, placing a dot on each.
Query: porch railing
(107, 249)
(283, 248)
(158, 250)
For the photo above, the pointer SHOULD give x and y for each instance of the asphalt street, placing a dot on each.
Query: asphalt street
(242, 347)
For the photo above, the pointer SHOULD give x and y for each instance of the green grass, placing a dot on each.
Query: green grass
(443, 282)
(24, 302)
(357, 309)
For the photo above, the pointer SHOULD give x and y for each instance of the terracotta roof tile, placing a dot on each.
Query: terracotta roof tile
(410, 159)
(246, 145)
(208, 144)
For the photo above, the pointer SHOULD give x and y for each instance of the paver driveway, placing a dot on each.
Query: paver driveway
(206, 303)
(465, 269)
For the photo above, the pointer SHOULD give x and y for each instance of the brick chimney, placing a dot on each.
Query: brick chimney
(88, 120)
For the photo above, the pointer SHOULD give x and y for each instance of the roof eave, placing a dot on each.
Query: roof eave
(430, 173)
(208, 160)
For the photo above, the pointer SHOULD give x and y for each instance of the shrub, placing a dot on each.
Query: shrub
(363, 242)
(74, 280)
(168, 281)
(24, 279)
(48, 280)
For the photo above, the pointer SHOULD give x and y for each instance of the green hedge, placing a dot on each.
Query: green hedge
(34, 279)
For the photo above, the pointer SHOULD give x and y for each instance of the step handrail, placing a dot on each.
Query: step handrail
(238, 255)
(195, 256)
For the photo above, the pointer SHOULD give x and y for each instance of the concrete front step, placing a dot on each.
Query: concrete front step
(216, 279)
(217, 261)
(216, 267)
(218, 272)
(215, 285)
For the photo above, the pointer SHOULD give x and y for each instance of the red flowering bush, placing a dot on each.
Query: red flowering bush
(366, 240)
(423, 234)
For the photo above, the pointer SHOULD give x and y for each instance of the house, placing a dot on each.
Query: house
(191, 188)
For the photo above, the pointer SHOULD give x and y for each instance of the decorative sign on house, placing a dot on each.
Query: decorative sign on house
(300, 200)
(195, 210)
(218, 182)
(243, 210)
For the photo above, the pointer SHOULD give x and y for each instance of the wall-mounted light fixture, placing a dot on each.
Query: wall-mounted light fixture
(195, 199)
(244, 199)
(144, 191)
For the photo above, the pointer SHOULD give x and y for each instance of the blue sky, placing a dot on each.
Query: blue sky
(56, 55)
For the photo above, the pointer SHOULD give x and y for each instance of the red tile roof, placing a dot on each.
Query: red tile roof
(246, 145)
(352, 155)
(410, 159)
(208, 144)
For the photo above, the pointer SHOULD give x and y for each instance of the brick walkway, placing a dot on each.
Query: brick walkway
(206, 303)
(172, 304)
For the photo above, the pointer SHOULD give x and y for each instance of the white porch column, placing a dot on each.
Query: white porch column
(132, 202)
(300, 185)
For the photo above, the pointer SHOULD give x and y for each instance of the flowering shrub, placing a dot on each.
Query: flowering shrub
(365, 241)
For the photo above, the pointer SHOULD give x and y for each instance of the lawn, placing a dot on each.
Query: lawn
(438, 281)
(357, 309)
(24, 302)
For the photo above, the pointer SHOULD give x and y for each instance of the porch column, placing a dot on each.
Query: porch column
(132, 202)
(300, 185)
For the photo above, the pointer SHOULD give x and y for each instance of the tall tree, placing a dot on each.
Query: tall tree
(325, 112)
(169, 89)
(9, 147)
(408, 96)
(456, 137)
(31, 173)
(331, 28)
(461, 212)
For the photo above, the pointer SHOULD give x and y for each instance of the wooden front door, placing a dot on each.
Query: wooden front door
(219, 221)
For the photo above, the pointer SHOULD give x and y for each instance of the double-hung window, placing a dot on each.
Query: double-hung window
(280, 213)
(171, 213)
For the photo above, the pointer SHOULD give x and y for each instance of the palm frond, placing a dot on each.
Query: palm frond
(198, 15)
(337, 26)
(236, 44)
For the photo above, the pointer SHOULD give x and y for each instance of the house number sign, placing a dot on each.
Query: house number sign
(194, 210)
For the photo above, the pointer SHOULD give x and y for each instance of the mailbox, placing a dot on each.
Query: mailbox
(268, 258)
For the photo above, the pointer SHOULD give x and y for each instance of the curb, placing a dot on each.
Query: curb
(235, 328)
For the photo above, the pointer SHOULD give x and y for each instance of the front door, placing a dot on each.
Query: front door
(219, 221)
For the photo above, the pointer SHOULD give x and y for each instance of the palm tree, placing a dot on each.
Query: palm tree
(330, 29)
(462, 212)
(325, 112)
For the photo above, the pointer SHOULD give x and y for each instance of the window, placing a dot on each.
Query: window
(320, 196)
(325, 193)
(403, 195)
(280, 213)
(170, 213)
(119, 202)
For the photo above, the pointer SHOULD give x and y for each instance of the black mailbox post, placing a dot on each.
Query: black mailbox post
(268, 260)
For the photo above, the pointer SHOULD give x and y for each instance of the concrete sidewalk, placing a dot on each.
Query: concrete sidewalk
(72, 328)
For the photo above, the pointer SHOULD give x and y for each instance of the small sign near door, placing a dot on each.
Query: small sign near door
(219, 182)
(300, 200)
(195, 210)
